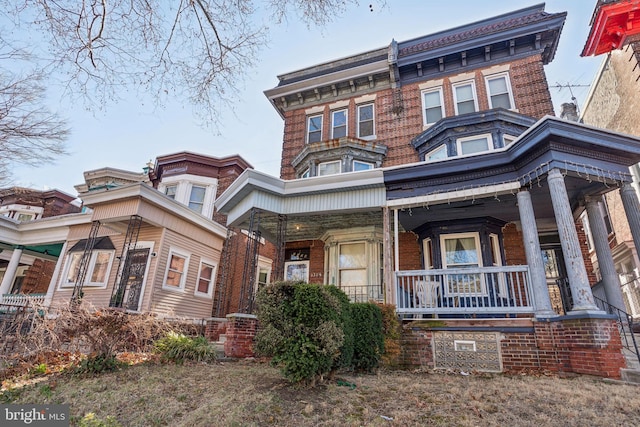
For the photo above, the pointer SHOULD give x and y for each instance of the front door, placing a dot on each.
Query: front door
(137, 265)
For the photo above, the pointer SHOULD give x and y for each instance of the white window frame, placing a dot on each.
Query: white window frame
(204, 197)
(187, 256)
(184, 183)
(443, 147)
(427, 253)
(309, 118)
(306, 173)
(507, 83)
(423, 94)
(333, 123)
(443, 254)
(473, 93)
(328, 163)
(507, 140)
(373, 120)
(174, 187)
(353, 166)
(65, 283)
(496, 253)
(212, 281)
(460, 141)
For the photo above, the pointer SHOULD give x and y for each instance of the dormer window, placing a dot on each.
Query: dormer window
(474, 144)
(314, 129)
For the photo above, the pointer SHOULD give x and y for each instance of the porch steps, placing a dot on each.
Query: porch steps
(632, 373)
(219, 346)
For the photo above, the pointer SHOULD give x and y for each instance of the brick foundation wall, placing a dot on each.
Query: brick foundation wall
(409, 251)
(582, 345)
(214, 327)
(241, 331)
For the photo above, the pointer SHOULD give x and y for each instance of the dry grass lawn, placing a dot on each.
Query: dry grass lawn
(251, 393)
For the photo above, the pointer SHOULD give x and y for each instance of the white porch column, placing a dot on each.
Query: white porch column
(576, 270)
(387, 251)
(600, 236)
(54, 277)
(10, 274)
(632, 210)
(534, 256)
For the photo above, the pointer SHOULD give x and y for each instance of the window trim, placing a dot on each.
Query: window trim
(504, 75)
(309, 118)
(329, 162)
(184, 254)
(459, 142)
(373, 120)
(193, 185)
(443, 256)
(64, 283)
(346, 122)
(212, 281)
(442, 147)
(474, 95)
(175, 191)
(362, 162)
(424, 108)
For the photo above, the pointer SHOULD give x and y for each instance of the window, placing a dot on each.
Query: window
(97, 274)
(339, 124)
(25, 217)
(305, 174)
(352, 267)
(264, 276)
(508, 140)
(314, 129)
(171, 191)
(465, 98)
(361, 166)
(176, 271)
(196, 198)
(474, 144)
(461, 251)
(329, 168)
(366, 128)
(427, 250)
(432, 105)
(206, 275)
(437, 154)
(499, 92)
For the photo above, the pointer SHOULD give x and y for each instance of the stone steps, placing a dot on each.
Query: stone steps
(632, 373)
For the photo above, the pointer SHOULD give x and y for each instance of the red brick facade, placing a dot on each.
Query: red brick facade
(241, 331)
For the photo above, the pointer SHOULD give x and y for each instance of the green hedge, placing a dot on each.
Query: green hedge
(368, 336)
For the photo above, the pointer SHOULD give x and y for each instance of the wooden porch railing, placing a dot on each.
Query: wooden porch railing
(485, 291)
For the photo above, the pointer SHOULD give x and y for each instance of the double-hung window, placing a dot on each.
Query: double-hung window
(465, 97)
(361, 166)
(338, 123)
(462, 251)
(98, 269)
(432, 105)
(314, 129)
(176, 274)
(474, 144)
(499, 91)
(171, 190)
(329, 168)
(366, 125)
(196, 198)
(206, 276)
(352, 269)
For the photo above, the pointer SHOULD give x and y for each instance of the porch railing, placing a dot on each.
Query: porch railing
(485, 291)
(21, 300)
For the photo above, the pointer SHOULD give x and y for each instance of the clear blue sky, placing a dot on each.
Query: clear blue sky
(129, 134)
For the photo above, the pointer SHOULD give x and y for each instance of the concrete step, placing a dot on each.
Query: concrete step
(219, 346)
(630, 375)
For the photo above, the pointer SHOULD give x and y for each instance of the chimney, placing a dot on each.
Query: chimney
(569, 111)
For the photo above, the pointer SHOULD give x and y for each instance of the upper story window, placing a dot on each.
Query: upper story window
(366, 126)
(171, 191)
(432, 105)
(474, 144)
(437, 154)
(465, 97)
(338, 123)
(314, 128)
(196, 198)
(361, 166)
(499, 91)
(305, 173)
(329, 168)
(508, 140)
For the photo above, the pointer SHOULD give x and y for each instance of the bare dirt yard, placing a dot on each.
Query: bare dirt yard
(252, 393)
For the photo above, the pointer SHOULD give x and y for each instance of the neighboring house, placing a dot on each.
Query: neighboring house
(147, 242)
(613, 103)
(27, 254)
(430, 174)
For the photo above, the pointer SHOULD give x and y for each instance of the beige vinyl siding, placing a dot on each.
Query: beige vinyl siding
(183, 303)
(116, 209)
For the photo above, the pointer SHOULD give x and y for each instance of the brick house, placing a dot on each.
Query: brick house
(613, 104)
(430, 174)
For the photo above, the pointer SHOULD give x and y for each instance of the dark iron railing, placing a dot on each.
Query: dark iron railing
(625, 324)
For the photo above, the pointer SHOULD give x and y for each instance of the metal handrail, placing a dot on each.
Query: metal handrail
(623, 317)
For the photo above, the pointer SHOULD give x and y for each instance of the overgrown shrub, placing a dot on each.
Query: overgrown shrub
(301, 329)
(179, 348)
(368, 336)
(392, 332)
(345, 359)
(97, 364)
